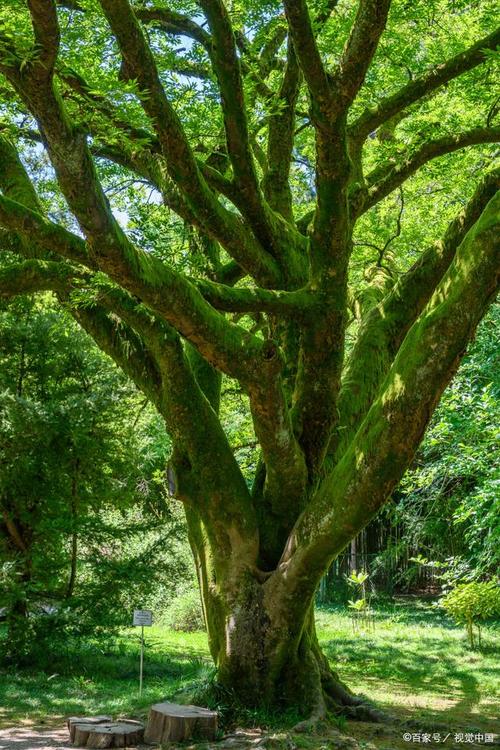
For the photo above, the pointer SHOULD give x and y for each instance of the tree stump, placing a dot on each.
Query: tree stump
(85, 720)
(170, 722)
(101, 732)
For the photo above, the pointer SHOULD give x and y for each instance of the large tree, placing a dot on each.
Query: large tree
(273, 131)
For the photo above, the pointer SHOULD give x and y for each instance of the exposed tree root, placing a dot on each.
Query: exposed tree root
(340, 700)
(331, 696)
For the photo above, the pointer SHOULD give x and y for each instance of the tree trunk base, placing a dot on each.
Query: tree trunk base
(308, 685)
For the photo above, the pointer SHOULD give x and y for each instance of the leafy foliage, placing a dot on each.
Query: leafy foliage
(84, 515)
(185, 613)
(469, 603)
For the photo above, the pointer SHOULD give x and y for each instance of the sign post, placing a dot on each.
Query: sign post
(142, 617)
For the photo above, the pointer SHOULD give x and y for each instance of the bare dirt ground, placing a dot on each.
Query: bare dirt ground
(356, 736)
(31, 738)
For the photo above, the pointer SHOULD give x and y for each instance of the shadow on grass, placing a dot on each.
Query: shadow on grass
(99, 682)
(453, 689)
(433, 671)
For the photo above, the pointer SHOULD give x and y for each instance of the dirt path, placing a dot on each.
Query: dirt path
(31, 738)
(368, 737)
(38, 738)
(34, 738)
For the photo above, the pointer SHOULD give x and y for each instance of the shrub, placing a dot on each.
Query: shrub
(468, 603)
(185, 613)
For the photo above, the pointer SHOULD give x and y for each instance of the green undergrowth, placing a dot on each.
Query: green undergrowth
(410, 659)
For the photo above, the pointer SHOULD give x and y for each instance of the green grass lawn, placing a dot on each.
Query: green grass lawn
(413, 661)
(106, 680)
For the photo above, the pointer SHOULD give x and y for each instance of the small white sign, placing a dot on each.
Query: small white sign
(142, 617)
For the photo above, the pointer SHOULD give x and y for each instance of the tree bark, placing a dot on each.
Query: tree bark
(267, 654)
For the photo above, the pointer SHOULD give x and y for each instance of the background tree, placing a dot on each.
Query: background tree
(274, 132)
(83, 517)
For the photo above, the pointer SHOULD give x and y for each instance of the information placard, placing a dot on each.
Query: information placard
(143, 617)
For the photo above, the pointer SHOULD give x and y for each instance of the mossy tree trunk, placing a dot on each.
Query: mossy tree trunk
(336, 430)
(268, 656)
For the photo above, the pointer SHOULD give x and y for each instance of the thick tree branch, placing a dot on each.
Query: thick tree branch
(360, 48)
(220, 494)
(386, 325)
(38, 275)
(227, 68)
(372, 118)
(31, 226)
(213, 217)
(292, 304)
(46, 31)
(276, 237)
(14, 181)
(138, 161)
(281, 136)
(387, 178)
(150, 352)
(167, 292)
(391, 432)
(286, 469)
(304, 41)
(109, 247)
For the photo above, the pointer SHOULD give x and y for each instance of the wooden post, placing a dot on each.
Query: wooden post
(142, 660)
(142, 617)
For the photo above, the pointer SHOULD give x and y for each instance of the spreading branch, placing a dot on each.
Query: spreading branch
(182, 166)
(150, 352)
(386, 441)
(308, 55)
(335, 432)
(418, 88)
(46, 32)
(360, 48)
(281, 136)
(166, 291)
(241, 299)
(384, 328)
(34, 275)
(387, 178)
(227, 68)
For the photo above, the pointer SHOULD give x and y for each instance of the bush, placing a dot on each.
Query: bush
(469, 603)
(185, 613)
